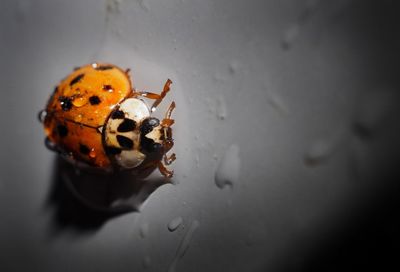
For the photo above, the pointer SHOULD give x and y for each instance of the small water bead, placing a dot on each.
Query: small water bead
(174, 223)
(289, 36)
(323, 149)
(374, 111)
(222, 111)
(108, 88)
(228, 169)
(144, 230)
(146, 262)
(277, 103)
(184, 245)
(319, 151)
(42, 115)
(144, 5)
(92, 153)
(234, 67)
(50, 144)
(78, 118)
(80, 101)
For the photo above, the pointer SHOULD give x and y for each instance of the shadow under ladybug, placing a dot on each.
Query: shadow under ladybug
(84, 201)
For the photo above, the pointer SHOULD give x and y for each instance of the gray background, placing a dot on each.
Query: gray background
(306, 89)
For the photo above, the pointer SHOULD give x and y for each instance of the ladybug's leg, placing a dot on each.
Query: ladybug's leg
(157, 97)
(167, 121)
(164, 171)
(169, 159)
(163, 93)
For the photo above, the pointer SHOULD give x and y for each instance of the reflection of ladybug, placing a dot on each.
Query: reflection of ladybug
(95, 118)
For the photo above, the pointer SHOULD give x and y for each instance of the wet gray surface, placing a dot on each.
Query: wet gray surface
(304, 92)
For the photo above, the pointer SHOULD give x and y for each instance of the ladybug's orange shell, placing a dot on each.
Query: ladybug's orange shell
(80, 107)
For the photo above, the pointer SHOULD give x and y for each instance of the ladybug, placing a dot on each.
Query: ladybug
(96, 119)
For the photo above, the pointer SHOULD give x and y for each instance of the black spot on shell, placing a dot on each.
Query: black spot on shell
(62, 131)
(127, 125)
(76, 79)
(94, 100)
(104, 67)
(66, 103)
(118, 115)
(84, 149)
(125, 142)
(113, 150)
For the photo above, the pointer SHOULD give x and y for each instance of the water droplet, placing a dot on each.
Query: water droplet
(234, 66)
(42, 115)
(92, 153)
(144, 230)
(277, 103)
(80, 101)
(146, 262)
(374, 111)
(23, 8)
(221, 110)
(144, 5)
(50, 144)
(184, 245)
(175, 223)
(293, 31)
(289, 36)
(218, 78)
(108, 88)
(78, 118)
(319, 151)
(113, 6)
(229, 168)
(323, 149)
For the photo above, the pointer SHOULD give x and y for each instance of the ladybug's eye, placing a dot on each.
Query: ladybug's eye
(148, 124)
(150, 146)
(150, 135)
